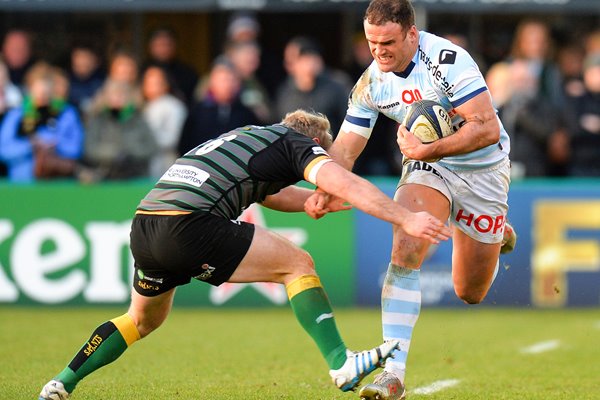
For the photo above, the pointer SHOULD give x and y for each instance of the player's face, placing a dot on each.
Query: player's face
(391, 46)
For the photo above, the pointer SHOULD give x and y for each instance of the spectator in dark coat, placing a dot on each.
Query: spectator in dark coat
(585, 114)
(219, 109)
(86, 76)
(18, 55)
(162, 49)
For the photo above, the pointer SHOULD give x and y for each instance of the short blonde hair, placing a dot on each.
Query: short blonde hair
(311, 124)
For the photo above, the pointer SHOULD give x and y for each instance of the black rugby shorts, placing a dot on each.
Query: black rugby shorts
(171, 250)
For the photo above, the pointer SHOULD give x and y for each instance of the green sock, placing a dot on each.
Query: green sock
(311, 306)
(105, 345)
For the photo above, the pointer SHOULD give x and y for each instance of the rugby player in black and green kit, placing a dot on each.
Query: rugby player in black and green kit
(185, 229)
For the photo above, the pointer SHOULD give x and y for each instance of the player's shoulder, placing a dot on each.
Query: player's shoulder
(370, 80)
(432, 42)
(271, 132)
(440, 50)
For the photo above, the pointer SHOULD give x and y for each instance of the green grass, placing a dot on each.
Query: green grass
(264, 354)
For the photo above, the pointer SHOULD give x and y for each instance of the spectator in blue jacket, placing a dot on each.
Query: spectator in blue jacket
(43, 137)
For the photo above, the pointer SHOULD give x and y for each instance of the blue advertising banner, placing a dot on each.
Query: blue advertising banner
(556, 262)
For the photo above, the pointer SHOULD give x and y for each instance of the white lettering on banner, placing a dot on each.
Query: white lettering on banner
(30, 266)
(8, 291)
(107, 240)
(185, 174)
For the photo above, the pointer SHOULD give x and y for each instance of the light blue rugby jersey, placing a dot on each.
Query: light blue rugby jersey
(439, 71)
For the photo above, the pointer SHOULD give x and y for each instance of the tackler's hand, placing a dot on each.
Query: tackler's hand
(316, 205)
(425, 226)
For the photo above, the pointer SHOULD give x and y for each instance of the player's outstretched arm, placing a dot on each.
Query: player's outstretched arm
(365, 196)
(345, 150)
(289, 199)
(292, 199)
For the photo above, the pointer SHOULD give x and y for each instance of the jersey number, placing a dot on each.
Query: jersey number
(213, 144)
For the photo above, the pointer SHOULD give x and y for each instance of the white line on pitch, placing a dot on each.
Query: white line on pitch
(436, 386)
(597, 325)
(541, 347)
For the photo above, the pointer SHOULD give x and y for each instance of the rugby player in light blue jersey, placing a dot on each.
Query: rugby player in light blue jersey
(468, 185)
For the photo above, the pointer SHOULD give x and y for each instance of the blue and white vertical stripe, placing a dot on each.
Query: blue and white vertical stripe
(400, 305)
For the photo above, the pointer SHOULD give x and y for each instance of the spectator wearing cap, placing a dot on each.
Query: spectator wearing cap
(245, 27)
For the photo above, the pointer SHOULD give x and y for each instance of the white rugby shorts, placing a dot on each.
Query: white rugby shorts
(478, 198)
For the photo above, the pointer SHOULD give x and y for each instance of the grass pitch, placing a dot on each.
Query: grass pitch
(482, 353)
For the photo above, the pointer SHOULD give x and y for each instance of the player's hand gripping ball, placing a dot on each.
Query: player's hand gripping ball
(428, 121)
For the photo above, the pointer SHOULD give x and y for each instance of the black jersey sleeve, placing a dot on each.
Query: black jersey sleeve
(290, 159)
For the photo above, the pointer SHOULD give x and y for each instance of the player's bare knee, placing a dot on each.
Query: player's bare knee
(147, 324)
(306, 264)
(469, 296)
(302, 264)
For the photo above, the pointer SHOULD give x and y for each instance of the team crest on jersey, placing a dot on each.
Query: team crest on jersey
(447, 56)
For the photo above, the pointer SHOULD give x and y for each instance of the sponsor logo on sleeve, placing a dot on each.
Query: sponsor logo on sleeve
(440, 79)
(447, 56)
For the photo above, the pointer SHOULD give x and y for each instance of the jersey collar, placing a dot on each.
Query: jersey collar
(404, 74)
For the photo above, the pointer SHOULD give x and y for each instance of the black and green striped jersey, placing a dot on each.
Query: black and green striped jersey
(225, 175)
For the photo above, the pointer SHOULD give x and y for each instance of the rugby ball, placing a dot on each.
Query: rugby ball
(428, 120)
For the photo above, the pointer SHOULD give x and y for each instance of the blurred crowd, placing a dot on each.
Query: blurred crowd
(113, 118)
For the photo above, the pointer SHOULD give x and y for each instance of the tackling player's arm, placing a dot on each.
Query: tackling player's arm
(365, 196)
(480, 129)
(345, 150)
(289, 199)
(292, 198)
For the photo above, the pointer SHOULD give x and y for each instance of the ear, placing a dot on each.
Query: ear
(317, 140)
(413, 33)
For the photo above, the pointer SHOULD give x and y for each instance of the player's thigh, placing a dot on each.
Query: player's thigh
(408, 250)
(473, 263)
(148, 313)
(272, 258)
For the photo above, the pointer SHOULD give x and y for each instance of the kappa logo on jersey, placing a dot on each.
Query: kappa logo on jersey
(447, 56)
(388, 106)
